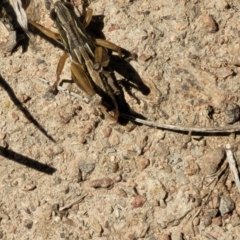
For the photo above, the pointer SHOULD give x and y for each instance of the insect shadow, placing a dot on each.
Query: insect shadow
(118, 64)
(26, 161)
(121, 65)
(27, 114)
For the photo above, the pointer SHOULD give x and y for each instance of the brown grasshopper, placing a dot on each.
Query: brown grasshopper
(89, 58)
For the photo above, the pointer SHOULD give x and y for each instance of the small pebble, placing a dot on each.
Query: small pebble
(78, 178)
(2, 135)
(197, 151)
(113, 167)
(110, 150)
(113, 27)
(174, 158)
(226, 205)
(15, 117)
(4, 216)
(193, 169)
(237, 205)
(24, 98)
(97, 228)
(57, 219)
(121, 202)
(212, 213)
(181, 177)
(224, 72)
(157, 191)
(16, 69)
(143, 163)
(55, 150)
(221, 4)
(28, 223)
(207, 221)
(217, 221)
(65, 116)
(215, 201)
(114, 139)
(177, 235)
(161, 134)
(40, 61)
(235, 220)
(196, 221)
(168, 169)
(229, 184)
(232, 112)
(102, 183)
(121, 193)
(162, 149)
(87, 167)
(138, 201)
(210, 162)
(164, 236)
(144, 57)
(88, 128)
(29, 186)
(209, 23)
(12, 229)
(107, 132)
(82, 140)
(62, 235)
(118, 178)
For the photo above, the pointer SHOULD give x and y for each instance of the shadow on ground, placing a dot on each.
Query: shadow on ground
(26, 161)
(27, 114)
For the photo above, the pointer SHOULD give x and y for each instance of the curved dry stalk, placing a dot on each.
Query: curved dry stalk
(225, 129)
(71, 93)
(169, 127)
(232, 166)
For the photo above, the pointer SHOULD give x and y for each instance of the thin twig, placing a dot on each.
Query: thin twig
(224, 129)
(210, 236)
(72, 203)
(232, 165)
(59, 88)
(215, 181)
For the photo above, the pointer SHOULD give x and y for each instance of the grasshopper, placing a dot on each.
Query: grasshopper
(89, 58)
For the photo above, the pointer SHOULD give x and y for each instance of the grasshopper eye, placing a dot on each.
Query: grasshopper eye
(53, 15)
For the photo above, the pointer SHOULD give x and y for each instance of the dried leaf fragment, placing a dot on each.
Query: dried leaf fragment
(20, 13)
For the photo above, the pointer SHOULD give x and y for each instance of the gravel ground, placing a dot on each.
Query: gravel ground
(69, 173)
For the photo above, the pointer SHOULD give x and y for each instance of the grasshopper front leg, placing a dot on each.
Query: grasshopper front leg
(60, 67)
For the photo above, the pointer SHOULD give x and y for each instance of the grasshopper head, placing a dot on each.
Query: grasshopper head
(62, 11)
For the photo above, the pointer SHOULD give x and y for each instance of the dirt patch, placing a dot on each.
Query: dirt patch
(68, 173)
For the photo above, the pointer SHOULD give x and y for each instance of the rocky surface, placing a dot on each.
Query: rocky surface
(68, 173)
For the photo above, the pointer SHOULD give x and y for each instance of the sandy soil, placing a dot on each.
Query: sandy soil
(69, 173)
